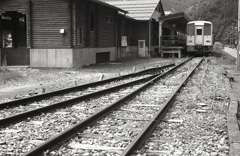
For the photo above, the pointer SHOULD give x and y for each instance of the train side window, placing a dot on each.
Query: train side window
(199, 31)
(191, 30)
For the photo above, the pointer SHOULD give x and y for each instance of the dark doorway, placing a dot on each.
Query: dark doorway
(14, 38)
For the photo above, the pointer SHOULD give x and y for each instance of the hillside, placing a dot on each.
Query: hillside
(176, 5)
(223, 14)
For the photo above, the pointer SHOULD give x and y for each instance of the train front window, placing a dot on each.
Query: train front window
(207, 29)
(199, 31)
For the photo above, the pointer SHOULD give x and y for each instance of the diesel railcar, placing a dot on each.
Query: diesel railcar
(199, 36)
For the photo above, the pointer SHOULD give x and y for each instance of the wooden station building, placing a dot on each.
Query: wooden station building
(74, 33)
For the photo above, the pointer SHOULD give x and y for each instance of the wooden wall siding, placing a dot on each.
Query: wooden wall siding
(70, 28)
(104, 34)
(130, 29)
(119, 31)
(97, 25)
(48, 17)
(155, 28)
(123, 27)
(127, 27)
(140, 32)
(116, 29)
(87, 23)
(74, 28)
(0, 38)
(107, 34)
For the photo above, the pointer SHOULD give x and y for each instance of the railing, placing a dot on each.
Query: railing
(174, 40)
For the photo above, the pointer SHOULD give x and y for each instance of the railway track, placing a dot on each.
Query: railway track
(84, 87)
(118, 119)
(91, 113)
(57, 99)
(81, 93)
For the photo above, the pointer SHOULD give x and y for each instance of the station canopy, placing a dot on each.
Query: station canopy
(179, 20)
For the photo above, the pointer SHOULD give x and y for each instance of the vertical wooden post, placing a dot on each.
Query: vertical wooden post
(70, 23)
(238, 48)
(116, 34)
(0, 31)
(87, 24)
(160, 37)
(29, 25)
(74, 25)
(150, 38)
(1, 38)
(97, 24)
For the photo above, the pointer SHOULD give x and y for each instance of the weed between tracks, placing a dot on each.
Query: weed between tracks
(31, 78)
(7, 76)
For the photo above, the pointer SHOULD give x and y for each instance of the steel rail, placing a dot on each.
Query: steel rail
(148, 129)
(24, 115)
(62, 137)
(77, 88)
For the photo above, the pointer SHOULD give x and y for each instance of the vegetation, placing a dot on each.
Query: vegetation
(7, 76)
(178, 5)
(222, 13)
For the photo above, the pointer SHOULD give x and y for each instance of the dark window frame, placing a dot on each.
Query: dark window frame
(80, 35)
(199, 31)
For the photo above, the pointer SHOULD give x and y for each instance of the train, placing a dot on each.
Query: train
(199, 37)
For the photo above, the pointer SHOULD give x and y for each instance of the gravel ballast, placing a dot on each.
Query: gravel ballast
(200, 114)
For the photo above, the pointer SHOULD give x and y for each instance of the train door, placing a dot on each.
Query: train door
(199, 35)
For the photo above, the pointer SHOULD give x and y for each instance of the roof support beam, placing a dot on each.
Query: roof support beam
(160, 37)
(149, 37)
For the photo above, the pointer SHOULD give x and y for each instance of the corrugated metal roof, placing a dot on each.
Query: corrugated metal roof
(109, 5)
(137, 9)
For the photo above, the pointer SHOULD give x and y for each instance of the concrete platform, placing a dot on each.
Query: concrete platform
(231, 51)
(232, 122)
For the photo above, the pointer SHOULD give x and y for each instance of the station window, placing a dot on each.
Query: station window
(199, 31)
(79, 35)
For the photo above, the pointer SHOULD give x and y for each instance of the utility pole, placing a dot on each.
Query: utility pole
(238, 36)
